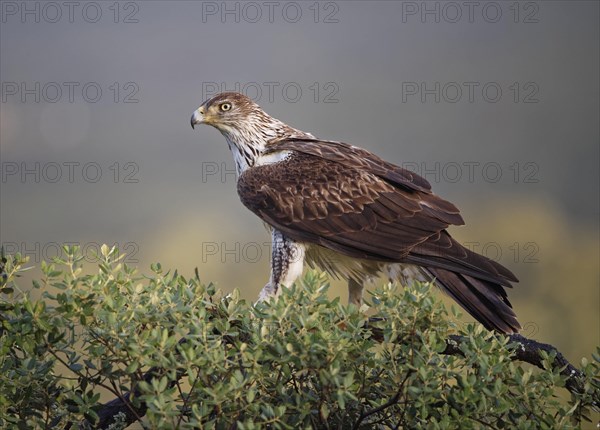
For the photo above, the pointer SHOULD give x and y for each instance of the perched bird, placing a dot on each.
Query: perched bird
(345, 210)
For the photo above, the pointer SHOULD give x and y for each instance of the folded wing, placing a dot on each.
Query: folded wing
(346, 199)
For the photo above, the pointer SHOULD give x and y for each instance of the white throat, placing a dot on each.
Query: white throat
(249, 146)
(242, 157)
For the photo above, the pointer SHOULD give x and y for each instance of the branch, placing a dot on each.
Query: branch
(527, 351)
(365, 414)
(109, 412)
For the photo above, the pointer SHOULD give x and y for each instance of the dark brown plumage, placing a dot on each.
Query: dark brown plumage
(331, 199)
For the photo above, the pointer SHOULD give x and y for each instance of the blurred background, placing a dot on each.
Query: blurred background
(495, 103)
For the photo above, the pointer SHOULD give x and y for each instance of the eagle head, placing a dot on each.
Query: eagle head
(226, 111)
(248, 129)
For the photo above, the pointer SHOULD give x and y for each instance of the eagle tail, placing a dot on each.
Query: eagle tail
(485, 300)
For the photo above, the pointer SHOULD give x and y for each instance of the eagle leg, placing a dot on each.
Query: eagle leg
(355, 292)
(287, 262)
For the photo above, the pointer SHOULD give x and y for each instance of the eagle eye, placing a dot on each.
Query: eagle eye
(225, 106)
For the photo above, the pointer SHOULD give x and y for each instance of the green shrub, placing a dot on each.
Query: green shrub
(194, 358)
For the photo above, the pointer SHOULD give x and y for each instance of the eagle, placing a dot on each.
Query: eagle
(346, 211)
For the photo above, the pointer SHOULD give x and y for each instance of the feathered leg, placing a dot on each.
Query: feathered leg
(355, 292)
(287, 262)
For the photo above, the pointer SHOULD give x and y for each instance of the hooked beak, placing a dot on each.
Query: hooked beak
(197, 116)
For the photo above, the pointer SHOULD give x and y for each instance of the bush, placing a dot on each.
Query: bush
(182, 355)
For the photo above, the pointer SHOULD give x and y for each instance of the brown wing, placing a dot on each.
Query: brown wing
(316, 200)
(357, 204)
(349, 204)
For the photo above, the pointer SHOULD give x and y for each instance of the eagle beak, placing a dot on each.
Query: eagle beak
(198, 116)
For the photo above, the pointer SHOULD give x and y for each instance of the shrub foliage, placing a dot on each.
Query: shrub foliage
(182, 355)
